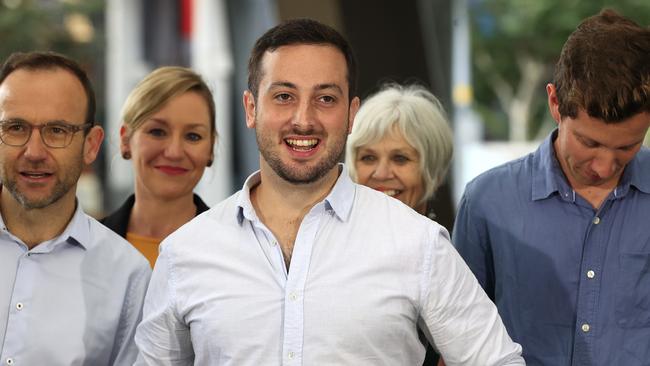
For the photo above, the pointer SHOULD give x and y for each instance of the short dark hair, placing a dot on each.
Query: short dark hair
(48, 61)
(604, 69)
(300, 31)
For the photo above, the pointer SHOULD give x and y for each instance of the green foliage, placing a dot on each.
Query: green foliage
(507, 31)
(40, 25)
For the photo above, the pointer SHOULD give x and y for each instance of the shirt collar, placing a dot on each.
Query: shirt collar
(634, 174)
(76, 233)
(339, 200)
(548, 177)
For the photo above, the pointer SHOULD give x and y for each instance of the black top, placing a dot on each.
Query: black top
(118, 221)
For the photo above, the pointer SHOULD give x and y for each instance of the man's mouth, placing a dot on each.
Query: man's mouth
(302, 144)
(35, 175)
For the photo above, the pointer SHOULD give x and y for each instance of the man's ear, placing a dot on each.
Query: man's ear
(354, 108)
(553, 103)
(249, 107)
(92, 144)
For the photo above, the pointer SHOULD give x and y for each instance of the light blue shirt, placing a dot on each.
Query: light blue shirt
(72, 300)
(572, 283)
(366, 273)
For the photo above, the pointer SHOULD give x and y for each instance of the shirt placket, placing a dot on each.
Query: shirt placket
(293, 327)
(20, 312)
(594, 248)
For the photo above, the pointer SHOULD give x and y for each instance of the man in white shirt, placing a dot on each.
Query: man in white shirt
(71, 290)
(302, 266)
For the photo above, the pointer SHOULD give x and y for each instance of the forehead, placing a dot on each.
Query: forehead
(626, 132)
(305, 65)
(43, 95)
(189, 108)
(392, 139)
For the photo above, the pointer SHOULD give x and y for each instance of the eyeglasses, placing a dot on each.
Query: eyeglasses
(53, 134)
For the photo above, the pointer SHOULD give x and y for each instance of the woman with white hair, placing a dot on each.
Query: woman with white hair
(401, 144)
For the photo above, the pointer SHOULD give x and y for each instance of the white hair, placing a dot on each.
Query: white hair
(420, 118)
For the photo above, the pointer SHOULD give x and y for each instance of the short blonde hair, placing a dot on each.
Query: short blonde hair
(157, 88)
(420, 118)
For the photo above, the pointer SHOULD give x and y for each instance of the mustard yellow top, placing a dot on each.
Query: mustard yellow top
(146, 245)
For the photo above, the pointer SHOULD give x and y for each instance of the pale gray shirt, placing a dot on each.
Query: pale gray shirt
(366, 273)
(72, 300)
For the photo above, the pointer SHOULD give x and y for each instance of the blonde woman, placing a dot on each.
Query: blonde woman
(168, 132)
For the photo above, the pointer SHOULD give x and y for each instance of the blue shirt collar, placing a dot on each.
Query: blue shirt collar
(339, 200)
(548, 177)
(77, 233)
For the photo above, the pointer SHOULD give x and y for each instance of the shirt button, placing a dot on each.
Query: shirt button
(585, 327)
(293, 296)
(19, 306)
(9, 361)
(596, 220)
(591, 274)
(291, 355)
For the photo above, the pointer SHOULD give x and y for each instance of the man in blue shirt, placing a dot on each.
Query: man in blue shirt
(558, 238)
(71, 290)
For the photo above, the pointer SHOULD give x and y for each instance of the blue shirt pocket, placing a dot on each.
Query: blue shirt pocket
(633, 300)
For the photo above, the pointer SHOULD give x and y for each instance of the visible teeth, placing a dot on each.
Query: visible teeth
(302, 143)
(36, 175)
(391, 192)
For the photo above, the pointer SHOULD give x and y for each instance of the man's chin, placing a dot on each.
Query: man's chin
(35, 202)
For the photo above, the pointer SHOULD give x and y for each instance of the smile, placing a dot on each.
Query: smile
(171, 170)
(389, 192)
(301, 144)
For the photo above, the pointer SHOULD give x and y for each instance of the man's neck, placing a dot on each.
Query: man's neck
(282, 205)
(34, 226)
(279, 197)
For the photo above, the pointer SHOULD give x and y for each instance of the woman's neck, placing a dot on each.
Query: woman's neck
(156, 218)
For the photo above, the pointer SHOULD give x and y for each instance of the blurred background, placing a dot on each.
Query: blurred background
(487, 60)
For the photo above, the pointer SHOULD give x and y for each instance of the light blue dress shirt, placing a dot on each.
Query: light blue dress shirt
(572, 283)
(366, 272)
(72, 300)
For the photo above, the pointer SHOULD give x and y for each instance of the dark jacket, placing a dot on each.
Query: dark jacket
(118, 221)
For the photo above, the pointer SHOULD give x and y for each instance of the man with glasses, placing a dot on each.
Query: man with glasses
(71, 290)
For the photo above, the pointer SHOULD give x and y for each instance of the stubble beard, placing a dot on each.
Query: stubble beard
(60, 189)
(304, 174)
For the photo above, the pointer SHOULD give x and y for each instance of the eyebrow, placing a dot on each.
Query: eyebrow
(317, 87)
(588, 139)
(165, 122)
(22, 120)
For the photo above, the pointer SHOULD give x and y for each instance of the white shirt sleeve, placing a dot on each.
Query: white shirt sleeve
(163, 338)
(457, 315)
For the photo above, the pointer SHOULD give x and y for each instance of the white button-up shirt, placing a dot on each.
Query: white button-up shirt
(72, 300)
(366, 273)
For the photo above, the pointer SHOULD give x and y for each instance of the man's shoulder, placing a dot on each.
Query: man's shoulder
(506, 177)
(377, 206)
(113, 249)
(212, 225)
